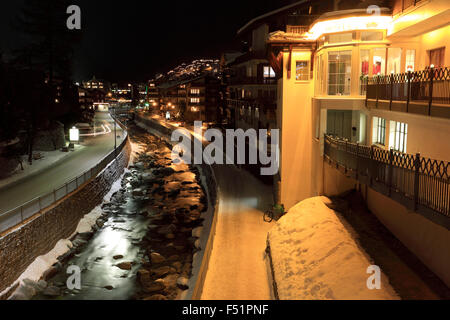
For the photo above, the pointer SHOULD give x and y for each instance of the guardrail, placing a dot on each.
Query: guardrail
(20, 214)
(419, 183)
(426, 89)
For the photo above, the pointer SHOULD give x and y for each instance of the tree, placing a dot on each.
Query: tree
(46, 58)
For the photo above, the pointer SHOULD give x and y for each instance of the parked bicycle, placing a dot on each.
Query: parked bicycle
(274, 213)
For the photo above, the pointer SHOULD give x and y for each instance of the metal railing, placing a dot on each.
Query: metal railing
(428, 88)
(419, 183)
(20, 214)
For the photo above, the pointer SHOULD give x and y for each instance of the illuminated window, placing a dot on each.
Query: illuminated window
(371, 36)
(339, 73)
(379, 131)
(269, 72)
(364, 70)
(410, 60)
(257, 113)
(321, 75)
(379, 61)
(398, 136)
(340, 38)
(394, 60)
(437, 57)
(195, 91)
(195, 100)
(302, 71)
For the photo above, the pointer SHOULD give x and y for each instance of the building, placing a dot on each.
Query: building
(364, 101)
(95, 84)
(191, 92)
(190, 100)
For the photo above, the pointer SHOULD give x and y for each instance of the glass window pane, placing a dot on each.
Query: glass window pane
(371, 36)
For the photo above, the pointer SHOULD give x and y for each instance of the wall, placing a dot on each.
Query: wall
(296, 135)
(427, 136)
(427, 240)
(39, 235)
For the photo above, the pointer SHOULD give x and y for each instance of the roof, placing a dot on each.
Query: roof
(271, 13)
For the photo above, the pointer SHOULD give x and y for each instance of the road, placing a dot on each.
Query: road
(96, 148)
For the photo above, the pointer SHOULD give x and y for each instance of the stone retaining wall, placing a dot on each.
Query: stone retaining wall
(39, 235)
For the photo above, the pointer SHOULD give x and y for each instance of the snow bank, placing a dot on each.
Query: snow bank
(315, 257)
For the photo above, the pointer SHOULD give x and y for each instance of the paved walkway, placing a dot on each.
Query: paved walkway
(95, 149)
(237, 268)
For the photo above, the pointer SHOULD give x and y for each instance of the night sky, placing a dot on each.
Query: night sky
(134, 40)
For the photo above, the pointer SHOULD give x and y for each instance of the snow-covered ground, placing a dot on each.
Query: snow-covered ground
(316, 256)
(48, 160)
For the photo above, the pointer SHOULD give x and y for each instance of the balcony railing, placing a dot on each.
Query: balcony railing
(424, 92)
(251, 80)
(421, 184)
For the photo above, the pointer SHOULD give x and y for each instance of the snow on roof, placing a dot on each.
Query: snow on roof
(316, 257)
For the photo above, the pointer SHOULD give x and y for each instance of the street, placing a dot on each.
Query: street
(96, 148)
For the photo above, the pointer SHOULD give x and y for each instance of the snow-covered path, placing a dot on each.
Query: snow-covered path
(237, 268)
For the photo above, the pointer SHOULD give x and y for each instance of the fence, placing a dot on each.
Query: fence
(419, 183)
(18, 215)
(429, 87)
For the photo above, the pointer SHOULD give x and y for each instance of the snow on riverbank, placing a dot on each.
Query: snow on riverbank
(35, 270)
(315, 257)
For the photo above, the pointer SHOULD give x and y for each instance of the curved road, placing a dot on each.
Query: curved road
(96, 148)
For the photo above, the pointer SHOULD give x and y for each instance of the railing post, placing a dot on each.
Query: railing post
(392, 90)
(371, 165)
(390, 170)
(377, 89)
(431, 90)
(408, 97)
(346, 155)
(357, 161)
(416, 181)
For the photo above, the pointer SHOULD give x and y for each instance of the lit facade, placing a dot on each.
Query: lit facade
(356, 85)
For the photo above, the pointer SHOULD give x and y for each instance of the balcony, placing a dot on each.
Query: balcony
(233, 81)
(418, 183)
(425, 92)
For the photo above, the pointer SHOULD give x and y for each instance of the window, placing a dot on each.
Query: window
(364, 71)
(394, 60)
(320, 75)
(410, 60)
(339, 73)
(379, 61)
(340, 38)
(436, 57)
(302, 71)
(379, 131)
(195, 100)
(398, 136)
(257, 113)
(195, 91)
(269, 72)
(371, 36)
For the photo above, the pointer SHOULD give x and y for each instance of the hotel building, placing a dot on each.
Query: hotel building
(364, 101)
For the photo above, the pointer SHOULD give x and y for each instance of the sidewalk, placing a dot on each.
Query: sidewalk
(237, 268)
